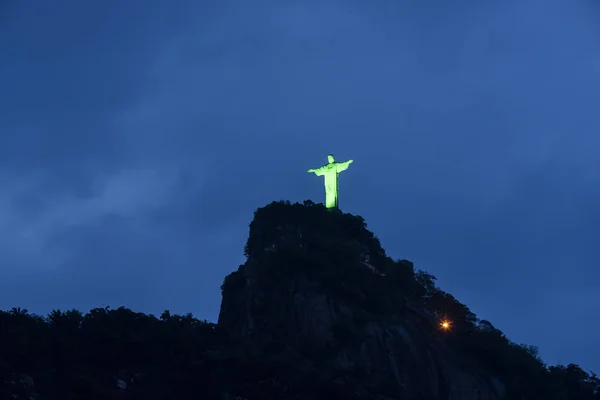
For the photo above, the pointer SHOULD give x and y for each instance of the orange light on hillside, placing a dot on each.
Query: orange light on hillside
(445, 325)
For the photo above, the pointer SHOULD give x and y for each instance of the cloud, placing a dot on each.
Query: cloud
(28, 229)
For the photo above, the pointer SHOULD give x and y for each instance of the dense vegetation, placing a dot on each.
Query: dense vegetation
(70, 355)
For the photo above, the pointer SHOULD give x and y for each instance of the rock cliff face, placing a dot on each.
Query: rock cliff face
(399, 350)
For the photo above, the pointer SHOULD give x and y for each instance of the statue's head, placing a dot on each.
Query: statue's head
(330, 158)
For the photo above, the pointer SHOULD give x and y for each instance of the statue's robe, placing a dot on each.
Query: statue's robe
(330, 173)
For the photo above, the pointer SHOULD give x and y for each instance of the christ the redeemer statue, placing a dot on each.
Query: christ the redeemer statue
(331, 172)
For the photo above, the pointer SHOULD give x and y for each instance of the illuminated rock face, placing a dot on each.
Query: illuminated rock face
(330, 172)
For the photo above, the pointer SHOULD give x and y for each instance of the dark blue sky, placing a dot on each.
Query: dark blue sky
(138, 137)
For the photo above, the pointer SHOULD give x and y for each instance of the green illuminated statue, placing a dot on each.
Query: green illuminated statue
(331, 172)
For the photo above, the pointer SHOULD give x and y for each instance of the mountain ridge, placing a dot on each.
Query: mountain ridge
(318, 311)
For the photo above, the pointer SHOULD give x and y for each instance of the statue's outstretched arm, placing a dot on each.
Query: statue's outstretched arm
(344, 165)
(319, 171)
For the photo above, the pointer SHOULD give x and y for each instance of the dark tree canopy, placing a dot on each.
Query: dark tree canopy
(300, 226)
